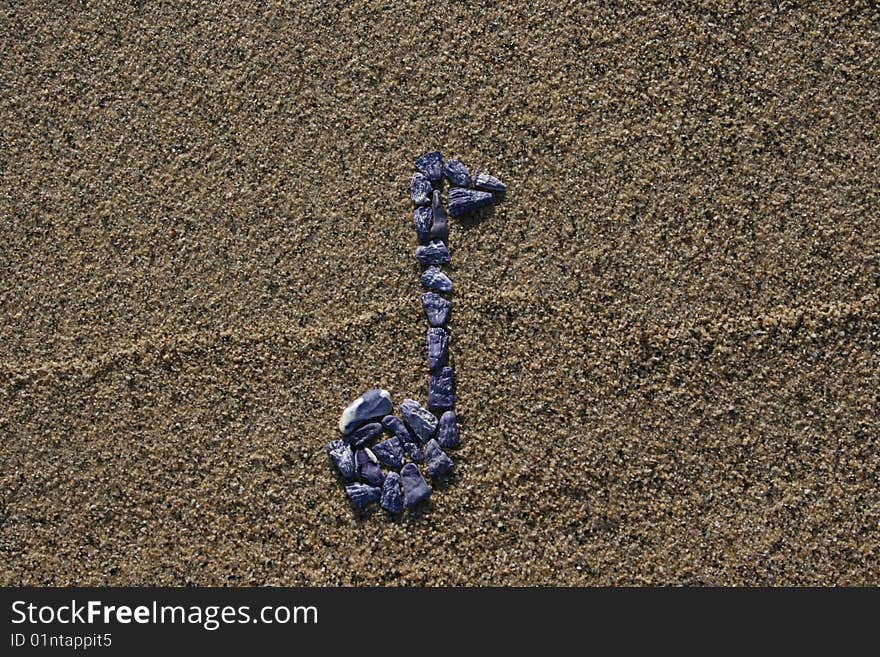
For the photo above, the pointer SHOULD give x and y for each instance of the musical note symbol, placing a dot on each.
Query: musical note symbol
(419, 436)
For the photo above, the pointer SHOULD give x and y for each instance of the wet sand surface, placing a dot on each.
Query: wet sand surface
(666, 338)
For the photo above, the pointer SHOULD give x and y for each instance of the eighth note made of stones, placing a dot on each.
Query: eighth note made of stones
(389, 470)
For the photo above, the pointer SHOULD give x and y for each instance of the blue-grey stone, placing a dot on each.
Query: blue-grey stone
(434, 279)
(342, 458)
(415, 488)
(389, 452)
(392, 498)
(436, 460)
(438, 348)
(441, 389)
(368, 467)
(432, 253)
(491, 183)
(421, 189)
(462, 201)
(414, 452)
(457, 173)
(431, 164)
(408, 440)
(436, 308)
(362, 495)
(365, 434)
(419, 419)
(396, 426)
(371, 404)
(423, 217)
(447, 431)
(439, 229)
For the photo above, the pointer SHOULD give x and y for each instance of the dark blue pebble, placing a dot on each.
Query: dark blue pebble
(434, 279)
(422, 220)
(368, 467)
(433, 253)
(413, 452)
(462, 201)
(431, 164)
(491, 183)
(447, 431)
(457, 173)
(419, 419)
(342, 458)
(389, 452)
(362, 495)
(421, 190)
(396, 426)
(372, 404)
(438, 348)
(392, 499)
(436, 460)
(439, 229)
(364, 435)
(441, 392)
(436, 308)
(415, 488)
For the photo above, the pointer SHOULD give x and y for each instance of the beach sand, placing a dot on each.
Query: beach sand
(667, 337)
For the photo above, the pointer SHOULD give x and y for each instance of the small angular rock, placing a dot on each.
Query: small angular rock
(365, 434)
(487, 182)
(441, 389)
(433, 253)
(436, 460)
(423, 217)
(362, 495)
(421, 190)
(462, 201)
(392, 499)
(438, 348)
(342, 458)
(389, 452)
(396, 426)
(447, 431)
(439, 229)
(414, 452)
(436, 309)
(368, 467)
(434, 279)
(419, 419)
(415, 488)
(371, 404)
(457, 173)
(431, 164)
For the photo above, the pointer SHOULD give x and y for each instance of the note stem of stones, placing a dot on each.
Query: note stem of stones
(384, 457)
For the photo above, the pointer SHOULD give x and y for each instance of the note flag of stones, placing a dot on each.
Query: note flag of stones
(385, 459)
